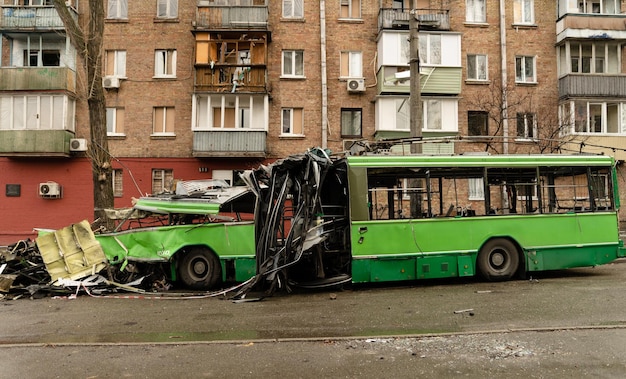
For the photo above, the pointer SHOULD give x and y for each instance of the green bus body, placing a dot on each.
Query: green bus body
(425, 248)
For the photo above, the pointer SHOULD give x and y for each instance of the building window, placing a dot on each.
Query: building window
(42, 58)
(115, 63)
(351, 63)
(292, 121)
(403, 114)
(167, 8)
(36, 112)
(597, 117)
(115, 121)
(118, 187)
(527, 125)
(163, 120)
(430, 49)
(162, 180)
(432, 115)
(476, 67)
(351, 123)
(165, 63)
(475, 11)
(476, 189)
(293, 63)
(588, 58)
(350, 9)
(293, 9)
(477, 123)
(599, 6)
(118, 9)
(525, 69)
(524, 12)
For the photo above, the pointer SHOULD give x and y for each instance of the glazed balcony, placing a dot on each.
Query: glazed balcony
(37, 79)
(232, 14)
(27, 18)
(229, 143)
(429, 19)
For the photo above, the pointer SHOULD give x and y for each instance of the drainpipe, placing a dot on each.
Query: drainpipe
(505, 111)
(323, 74)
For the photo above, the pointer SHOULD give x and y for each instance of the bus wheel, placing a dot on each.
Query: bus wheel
(199, 269)
(498, 260)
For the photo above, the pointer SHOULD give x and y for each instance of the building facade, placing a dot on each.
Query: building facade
(203, 89)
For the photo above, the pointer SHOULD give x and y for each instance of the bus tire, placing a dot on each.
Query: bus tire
(498, 260)
(199, 269)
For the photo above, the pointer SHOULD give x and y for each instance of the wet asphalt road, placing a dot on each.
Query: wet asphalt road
(555, 325)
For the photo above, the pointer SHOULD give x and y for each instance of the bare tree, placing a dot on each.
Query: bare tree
(86, 37)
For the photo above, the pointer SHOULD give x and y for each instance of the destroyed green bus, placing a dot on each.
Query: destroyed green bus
(376, 218)
(201, 237)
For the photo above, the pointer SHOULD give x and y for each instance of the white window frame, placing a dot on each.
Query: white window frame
(530, 125)
(167, 9)
(586, 6)
(476, 189)
(524, 12)
(37, 112)
(476, 11)
(112, 122)
(291, 71)
(159, 178)
(430, 49)
(162, 129)
(117, 9)
(287, 116)
(293, 8)
(432, 115)
(477, 67)
(355, 64)
(351, 5)
(165, 63)
(119, 63)
(521, 74)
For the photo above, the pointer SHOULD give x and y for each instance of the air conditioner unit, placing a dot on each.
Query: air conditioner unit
(50, 190)
(356, 85)
(111, 82)
(78, 144)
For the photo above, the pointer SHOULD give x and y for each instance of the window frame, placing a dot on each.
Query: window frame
(476, 189)
(521, 66)
(296, 9)
(171, 6)
(485, 126)
(351, 64)
(529, 124)
(473, 16)
(351, 113)
(292, 115)
(117, 10)
(165, 174)
(430, 49)
(118, 68)
(350, 9)
(294, 64)
(117, 183)
(164, 121)
(475, 75)
(115, 119)
(161, 59)
(521, 8)
(428, 113)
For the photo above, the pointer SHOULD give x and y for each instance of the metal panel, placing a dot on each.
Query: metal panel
(34, 142)
(227, 143)
(232, 17)
(433, 80)
(29, 18)
(587, 85)
(37, 78)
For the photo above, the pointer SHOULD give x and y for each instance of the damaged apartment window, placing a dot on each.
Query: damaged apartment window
(165, 63)
(351, 121)
(162, 180)
(293, 121)
(167, 8)
(163, 121)
(118, 187)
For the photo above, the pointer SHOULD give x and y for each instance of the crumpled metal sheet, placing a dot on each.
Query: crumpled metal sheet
(71, 252)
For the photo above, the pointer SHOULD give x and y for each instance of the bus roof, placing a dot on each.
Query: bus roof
(500, 160)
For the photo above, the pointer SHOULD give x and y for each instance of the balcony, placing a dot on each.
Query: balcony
(35, 143)
(594, 26)
(433, 80)
(26, 18)
(233, 14)
(231, 143)
(587, 85)
(37, 79)
(429, 19)
(229, 78)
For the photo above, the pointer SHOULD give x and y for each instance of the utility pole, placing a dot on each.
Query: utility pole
(415, 102)
(415, 99)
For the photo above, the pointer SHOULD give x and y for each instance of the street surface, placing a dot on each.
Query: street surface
(561, 324)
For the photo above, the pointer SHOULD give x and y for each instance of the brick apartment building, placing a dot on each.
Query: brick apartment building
(202, 89)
